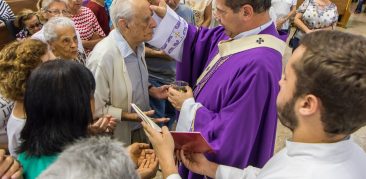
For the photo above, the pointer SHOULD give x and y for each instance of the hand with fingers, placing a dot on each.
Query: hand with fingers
(177, 98)
(9, 167)
(197, 163)
(163, 145)
(137, 152)
(126, 116)
(159, 92)
(159, 7)
(148, 167)
(103, 125)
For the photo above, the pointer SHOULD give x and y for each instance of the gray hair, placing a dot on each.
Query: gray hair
(92, 158)
(46, 3)
(121, 9)
(49, 28)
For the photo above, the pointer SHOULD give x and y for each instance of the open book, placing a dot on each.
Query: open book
(189, 141)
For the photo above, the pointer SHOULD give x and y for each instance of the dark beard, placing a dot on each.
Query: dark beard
(286, 114)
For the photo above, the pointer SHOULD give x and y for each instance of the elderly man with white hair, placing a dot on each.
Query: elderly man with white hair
(57, 8)
(119, 67)
(102, 158)
(60, 34)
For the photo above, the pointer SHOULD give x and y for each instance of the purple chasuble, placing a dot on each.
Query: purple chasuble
(238, 117)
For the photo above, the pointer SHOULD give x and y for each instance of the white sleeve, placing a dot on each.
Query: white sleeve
(294, 2)
(169, 34)
(187, 115)
(226, 172)
(174, 176)
(102, 90)
(80, 44)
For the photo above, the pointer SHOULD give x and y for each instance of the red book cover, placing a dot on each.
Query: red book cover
(191, 141)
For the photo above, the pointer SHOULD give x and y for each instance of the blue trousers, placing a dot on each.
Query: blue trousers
(162, 108)
(359, 6)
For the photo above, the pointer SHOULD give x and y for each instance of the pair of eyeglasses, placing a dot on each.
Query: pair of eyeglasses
(33, 26)
(58, 12)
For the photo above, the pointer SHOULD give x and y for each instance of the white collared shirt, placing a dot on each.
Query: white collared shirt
(254, 31)
(340, 160)
(136, 69)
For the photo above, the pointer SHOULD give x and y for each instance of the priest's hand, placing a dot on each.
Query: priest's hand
(177, 98)
(163, 145)
(197, 163)
(148, 167)
(160, 9)
(159, 92)
(9, 167)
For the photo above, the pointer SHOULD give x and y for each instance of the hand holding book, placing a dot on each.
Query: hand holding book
(188, 141)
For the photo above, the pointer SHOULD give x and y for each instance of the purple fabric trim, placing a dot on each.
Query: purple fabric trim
(173, 36)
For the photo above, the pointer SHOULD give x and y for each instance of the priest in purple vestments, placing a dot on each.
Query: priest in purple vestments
(233, 101)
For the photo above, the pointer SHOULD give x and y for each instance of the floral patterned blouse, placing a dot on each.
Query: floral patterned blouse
(315, 16)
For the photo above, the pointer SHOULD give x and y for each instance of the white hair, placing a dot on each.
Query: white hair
(46, 3)
(121, 9)
(92, 158)
(49, 28)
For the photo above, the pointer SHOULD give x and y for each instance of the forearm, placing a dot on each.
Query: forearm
(206, 23)
(210, 170)
(151, 53)
(126, 116)
(291, 13)
(207, 16)
(89, 44)
(299, 24)
(168, 167)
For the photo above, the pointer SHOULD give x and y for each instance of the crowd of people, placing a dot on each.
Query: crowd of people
(69, 79)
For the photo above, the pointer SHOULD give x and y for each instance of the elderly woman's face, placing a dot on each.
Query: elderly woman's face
(66, 43)
(75, 5)
(33, 24)
(57, 9)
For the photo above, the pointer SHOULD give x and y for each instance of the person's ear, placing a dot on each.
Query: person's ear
(123, 24)
(247, 11)
(309, 105)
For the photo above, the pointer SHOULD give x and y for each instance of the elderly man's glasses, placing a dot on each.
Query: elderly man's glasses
(58, 12)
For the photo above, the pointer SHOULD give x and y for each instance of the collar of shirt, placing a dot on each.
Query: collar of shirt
(124, 47)
(254, 31)
(332, 152)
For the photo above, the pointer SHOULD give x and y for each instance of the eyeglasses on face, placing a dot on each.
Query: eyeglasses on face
(33, 26)
(58, 12)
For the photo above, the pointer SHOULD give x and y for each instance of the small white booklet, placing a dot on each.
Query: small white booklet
(190, 141)
(145, 118)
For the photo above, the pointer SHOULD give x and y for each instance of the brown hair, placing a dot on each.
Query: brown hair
(17, 60)
(333, 68)
(258, 5)
(23, 16)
